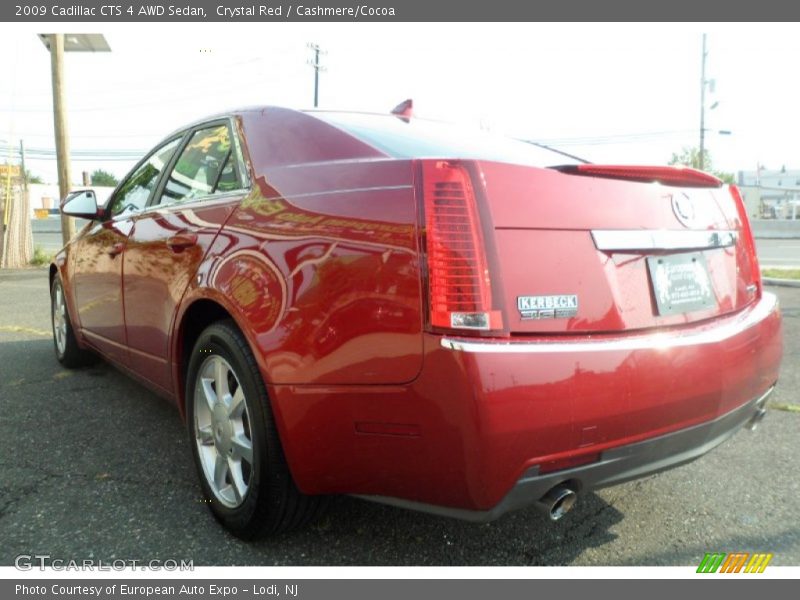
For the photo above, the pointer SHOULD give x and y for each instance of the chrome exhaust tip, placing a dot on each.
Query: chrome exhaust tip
(761, 411)
(557, 502)
(752, 424)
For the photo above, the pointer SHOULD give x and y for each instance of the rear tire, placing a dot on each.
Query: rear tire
(66, 346)
(234, 440)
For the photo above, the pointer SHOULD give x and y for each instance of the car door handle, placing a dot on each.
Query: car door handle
(181, 241)
(116, 249)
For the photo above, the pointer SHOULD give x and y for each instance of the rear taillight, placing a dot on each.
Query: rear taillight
(746, 236)
(677, 176)
(459, 286)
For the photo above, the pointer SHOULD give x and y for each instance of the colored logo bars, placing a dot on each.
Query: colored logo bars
(734, 563)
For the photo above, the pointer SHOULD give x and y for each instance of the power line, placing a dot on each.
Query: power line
(157, 103)
(111, 87)
(93, 159)
(111, 153)
(106, 136)
(94, 155)
(80, 151)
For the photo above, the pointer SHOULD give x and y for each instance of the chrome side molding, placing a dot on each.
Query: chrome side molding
(662, 239)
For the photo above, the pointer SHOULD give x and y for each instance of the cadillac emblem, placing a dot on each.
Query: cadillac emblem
(683, 207)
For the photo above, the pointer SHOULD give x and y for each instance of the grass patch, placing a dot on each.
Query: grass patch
(40, 257)
(795, 408)
(781, 273)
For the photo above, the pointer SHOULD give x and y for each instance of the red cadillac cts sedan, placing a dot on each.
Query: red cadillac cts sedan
(418, 314)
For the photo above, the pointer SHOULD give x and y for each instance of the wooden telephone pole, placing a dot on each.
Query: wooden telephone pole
(60, 123)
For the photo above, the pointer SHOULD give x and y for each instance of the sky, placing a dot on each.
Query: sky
(612, 93)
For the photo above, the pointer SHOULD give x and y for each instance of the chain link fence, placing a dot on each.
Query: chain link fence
(16, 243)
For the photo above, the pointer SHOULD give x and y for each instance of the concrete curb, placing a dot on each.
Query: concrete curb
(777, 229)
(781, 282)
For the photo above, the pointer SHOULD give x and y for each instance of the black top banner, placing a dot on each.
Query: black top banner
(108, 11)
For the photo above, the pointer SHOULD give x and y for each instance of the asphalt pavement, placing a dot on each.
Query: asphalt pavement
(92, 465)
(778, 252)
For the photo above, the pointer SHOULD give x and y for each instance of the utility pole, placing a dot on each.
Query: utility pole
(22, 165)
(2, 227)
(701, 158)
(60, 123)
(317, 68)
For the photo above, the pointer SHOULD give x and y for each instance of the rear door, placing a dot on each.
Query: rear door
(205, 182)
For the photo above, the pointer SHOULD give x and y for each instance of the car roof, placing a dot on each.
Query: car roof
(242, 110)
(387, 135)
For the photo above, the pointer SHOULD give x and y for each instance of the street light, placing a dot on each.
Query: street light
(79, 42)
(57, 44)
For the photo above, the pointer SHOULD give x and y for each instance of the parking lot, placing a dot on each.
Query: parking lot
(92, 465)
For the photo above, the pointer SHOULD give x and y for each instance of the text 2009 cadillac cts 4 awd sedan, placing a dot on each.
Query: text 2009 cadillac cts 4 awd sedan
(378, 305)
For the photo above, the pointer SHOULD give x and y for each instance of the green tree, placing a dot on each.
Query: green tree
(103, 178)
(690, 157)
(33, 178)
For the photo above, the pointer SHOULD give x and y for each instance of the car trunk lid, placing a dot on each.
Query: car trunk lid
(590, 248)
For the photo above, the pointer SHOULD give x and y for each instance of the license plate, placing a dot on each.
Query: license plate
(681, 283)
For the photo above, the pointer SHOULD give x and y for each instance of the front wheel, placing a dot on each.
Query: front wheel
(234, 440)
(67, 350)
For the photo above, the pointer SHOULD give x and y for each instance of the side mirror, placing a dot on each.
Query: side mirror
(83, 204)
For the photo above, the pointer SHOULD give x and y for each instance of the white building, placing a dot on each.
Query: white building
(770, 193)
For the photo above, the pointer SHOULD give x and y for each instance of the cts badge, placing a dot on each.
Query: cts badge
(548, 307)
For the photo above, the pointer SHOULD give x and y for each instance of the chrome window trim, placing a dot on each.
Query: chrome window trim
(205, 201)
(662, 239)
(380, 188)
(662, 340)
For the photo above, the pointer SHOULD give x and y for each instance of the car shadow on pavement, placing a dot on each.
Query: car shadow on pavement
(376, 534)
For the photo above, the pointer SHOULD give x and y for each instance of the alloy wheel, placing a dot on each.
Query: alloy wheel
(60, 320)
(222, 431)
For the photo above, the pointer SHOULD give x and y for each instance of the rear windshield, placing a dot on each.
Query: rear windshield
(419, 138)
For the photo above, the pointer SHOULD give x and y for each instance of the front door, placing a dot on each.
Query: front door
(98, 257)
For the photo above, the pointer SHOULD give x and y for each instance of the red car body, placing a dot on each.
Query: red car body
(330, 263)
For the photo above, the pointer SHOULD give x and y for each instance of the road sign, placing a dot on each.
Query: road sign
(6, 170)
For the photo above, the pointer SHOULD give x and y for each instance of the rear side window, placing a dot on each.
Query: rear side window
(207, 166)
(419, 138)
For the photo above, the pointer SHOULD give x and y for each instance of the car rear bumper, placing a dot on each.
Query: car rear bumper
(615, 465)
(469, 436)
